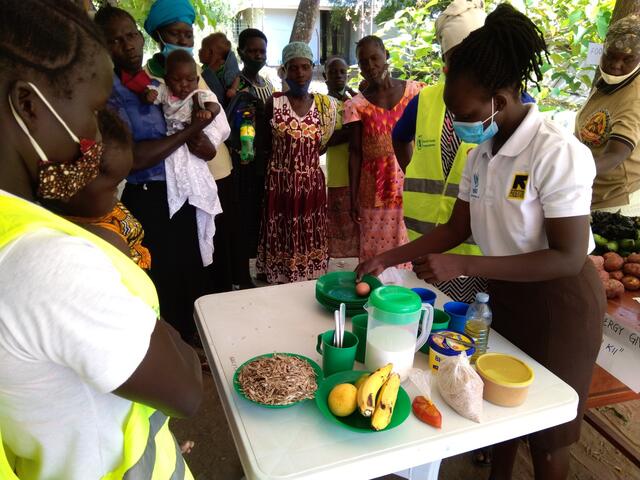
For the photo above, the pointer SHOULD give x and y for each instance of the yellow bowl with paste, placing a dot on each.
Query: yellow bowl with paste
(506, 379)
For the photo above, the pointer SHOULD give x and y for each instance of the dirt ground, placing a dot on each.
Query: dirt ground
(593, 458)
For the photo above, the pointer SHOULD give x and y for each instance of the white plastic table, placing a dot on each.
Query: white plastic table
(298, 442)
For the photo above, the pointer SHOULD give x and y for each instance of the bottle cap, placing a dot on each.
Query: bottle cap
(482, 297)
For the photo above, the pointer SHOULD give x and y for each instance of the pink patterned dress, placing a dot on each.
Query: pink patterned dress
(381, 179)
(293, 239)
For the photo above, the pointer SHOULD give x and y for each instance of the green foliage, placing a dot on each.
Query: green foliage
(569, 27)
(390, 7)
(411, 41)
(211, 12)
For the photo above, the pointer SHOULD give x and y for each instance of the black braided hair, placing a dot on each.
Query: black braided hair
(248, 33)
(52, 39)
(107, 14)
(377, 41)
(506, 52)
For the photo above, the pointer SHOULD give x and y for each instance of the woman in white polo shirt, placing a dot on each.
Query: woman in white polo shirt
(525, 195)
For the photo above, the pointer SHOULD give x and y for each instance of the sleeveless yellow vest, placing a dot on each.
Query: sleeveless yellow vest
(150, 450)
(428, 197)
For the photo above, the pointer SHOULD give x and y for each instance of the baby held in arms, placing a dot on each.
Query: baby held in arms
(187, 176)
(179, 95)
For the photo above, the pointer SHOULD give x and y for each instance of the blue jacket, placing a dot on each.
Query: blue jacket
(146, 122)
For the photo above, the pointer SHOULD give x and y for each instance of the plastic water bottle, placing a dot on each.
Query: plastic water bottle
(247, 135)
(478, 322)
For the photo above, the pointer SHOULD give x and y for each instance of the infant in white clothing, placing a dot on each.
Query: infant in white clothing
(188, 177)
(179, 95)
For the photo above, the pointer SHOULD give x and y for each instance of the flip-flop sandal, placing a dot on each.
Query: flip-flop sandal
(482, 457)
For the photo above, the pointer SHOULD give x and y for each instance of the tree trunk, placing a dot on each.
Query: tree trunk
(624, 8)
(308, 11)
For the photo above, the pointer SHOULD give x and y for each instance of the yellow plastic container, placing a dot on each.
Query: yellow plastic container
(506, 379)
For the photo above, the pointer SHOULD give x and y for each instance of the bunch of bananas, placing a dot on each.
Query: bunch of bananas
(377, 394)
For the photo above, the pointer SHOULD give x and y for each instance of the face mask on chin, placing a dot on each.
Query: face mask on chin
(298, 90)
(617, 79)
(167, 48)
(474, 132)
(62, 180)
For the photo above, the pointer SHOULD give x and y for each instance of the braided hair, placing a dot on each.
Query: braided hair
(53, 44)
(507, 51)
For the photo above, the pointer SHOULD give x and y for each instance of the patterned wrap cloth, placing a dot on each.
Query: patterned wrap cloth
(122, 222)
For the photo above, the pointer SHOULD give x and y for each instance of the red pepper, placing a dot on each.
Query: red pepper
(426, 411)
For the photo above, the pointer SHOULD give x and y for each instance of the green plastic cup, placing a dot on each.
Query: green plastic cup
(336, 359)
(359, 329)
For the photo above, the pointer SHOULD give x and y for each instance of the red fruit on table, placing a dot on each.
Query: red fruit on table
(426, 411)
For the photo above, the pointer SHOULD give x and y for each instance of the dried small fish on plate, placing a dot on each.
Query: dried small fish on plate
(278, 380)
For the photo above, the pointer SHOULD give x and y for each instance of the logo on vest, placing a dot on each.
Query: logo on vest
(475, 186)
(518, 186)
(422, 142)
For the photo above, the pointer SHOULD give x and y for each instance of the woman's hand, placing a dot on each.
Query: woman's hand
(200, 145)
(373, 266)
(437, 267)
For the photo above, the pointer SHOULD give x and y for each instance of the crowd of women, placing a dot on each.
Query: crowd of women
(467, 166)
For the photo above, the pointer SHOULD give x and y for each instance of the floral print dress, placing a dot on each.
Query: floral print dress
(293, 239)
(381, 179)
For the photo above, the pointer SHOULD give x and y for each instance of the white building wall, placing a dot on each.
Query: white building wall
(276, 24)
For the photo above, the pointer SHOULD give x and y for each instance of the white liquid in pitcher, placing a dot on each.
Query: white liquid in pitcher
(389, 344)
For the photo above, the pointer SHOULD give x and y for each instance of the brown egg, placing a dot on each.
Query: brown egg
(363, 289)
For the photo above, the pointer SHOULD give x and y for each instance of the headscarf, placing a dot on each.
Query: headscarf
(624, 35)
(296, 50)
(165, 12)
(459, 19)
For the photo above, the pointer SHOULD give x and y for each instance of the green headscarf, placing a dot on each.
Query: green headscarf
(296, 50)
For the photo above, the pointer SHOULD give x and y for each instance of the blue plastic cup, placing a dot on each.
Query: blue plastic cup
(458, 313)
(426, 295)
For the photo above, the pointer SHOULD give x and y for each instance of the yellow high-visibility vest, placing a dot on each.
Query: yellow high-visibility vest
(428, 197)
(150, 451)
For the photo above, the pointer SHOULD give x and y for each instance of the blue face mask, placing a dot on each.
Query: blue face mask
(296, 89)
(167, 48)
(474, 132)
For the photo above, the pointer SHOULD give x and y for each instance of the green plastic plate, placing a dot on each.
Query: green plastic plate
(332, 307)
(238, 387)
(355, 421)
(341, 287)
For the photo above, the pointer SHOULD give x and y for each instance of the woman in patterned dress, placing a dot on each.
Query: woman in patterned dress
(376, 179)
(293, 238)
